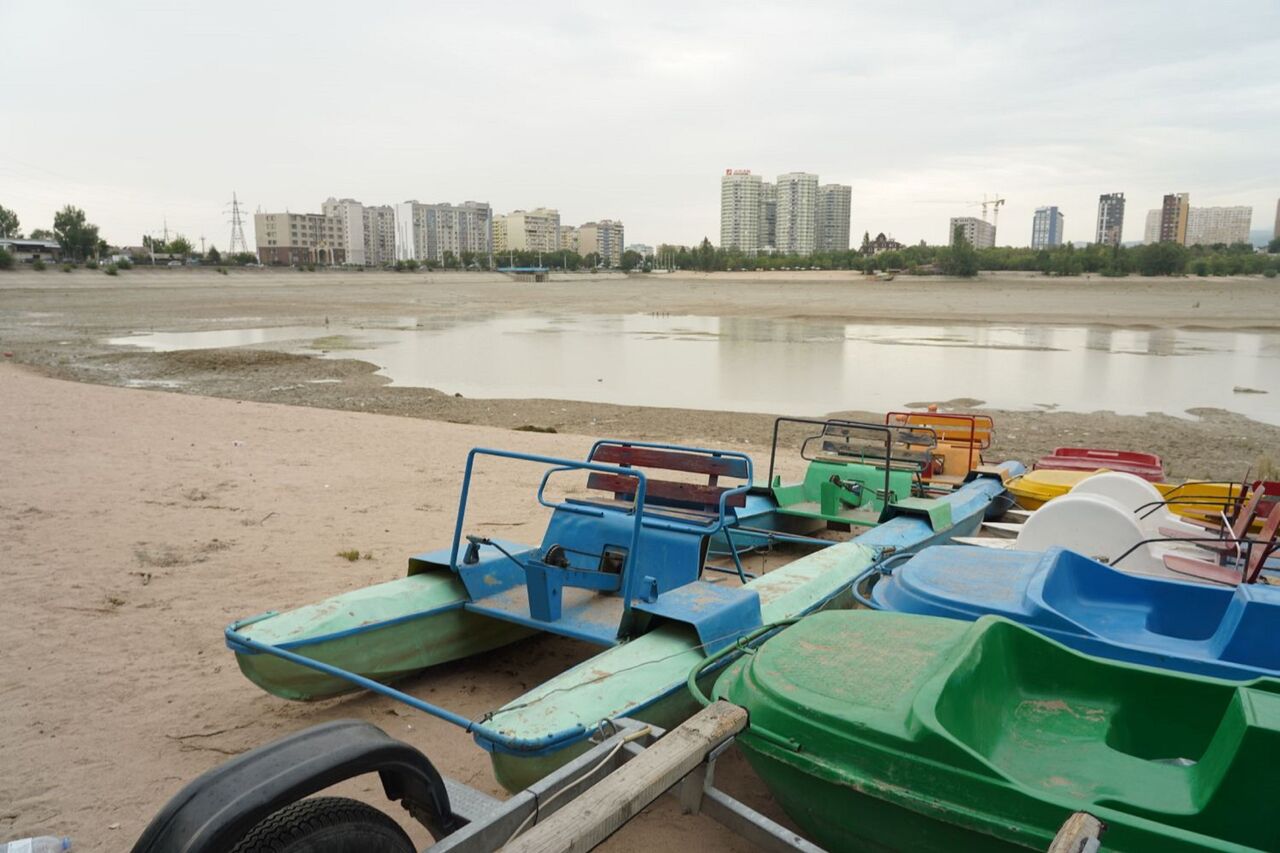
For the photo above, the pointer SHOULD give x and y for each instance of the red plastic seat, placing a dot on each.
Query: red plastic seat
(1239, 528)
(1261, 548)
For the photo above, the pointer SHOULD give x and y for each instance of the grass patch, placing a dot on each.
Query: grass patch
(351, 554)
(332, 342)
(532, 428)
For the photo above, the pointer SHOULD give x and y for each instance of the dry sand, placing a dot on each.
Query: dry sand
(137, 524)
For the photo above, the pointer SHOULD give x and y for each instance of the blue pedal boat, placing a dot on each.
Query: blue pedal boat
(643, 556)
(1216, 631)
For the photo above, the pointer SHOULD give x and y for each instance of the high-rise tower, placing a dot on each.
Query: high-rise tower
(1110, 219)
(740, 210)
(797, 213)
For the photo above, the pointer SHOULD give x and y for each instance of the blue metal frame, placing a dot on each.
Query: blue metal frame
(637, 508)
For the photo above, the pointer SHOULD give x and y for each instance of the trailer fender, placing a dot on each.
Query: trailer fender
(217, 809)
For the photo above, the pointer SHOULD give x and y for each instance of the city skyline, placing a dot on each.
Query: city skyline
(173, 120)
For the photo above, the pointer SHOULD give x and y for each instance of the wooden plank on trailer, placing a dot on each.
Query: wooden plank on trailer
(602, 810)
(1080, 834)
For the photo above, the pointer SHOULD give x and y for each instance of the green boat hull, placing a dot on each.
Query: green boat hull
(383, 632)
(885, 731)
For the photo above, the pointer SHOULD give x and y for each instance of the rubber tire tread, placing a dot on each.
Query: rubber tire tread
(326, 825)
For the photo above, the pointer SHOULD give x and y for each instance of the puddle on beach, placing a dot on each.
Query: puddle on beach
(795, 366)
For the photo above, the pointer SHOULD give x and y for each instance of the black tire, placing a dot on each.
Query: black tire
(326, 825)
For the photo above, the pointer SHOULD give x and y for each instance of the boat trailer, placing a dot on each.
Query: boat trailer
(575, 808)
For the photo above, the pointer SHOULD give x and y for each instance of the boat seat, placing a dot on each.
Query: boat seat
(842, 492)
(1069, 724)
(697, 500)
(1247, 634)
(1260, 549)
(959, 439)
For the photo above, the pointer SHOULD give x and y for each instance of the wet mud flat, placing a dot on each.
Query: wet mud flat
(60, 324)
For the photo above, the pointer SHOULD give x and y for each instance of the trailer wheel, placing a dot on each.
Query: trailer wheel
(326, 825)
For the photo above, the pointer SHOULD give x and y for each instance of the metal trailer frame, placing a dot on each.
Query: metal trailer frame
(492, 823)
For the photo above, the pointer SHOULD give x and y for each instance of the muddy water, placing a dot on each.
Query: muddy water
(802, 367)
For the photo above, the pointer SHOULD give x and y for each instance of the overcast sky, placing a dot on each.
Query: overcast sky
(142, 112)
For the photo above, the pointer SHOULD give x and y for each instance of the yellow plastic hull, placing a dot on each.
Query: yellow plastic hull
(1036, 488)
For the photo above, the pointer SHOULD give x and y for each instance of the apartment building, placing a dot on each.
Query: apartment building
(424, 232)
(298, 238)
(1174, 213)
(348, 214)
(568, 238)
(1110, 230)
(977, 232)
(604, 238)
(1207, 226)
(768, 216)
(740, 210)
(536, 230)
(832, 218)
(1046, 227)
(499, 232)
(644, 250)
(379, 235)
(1151, 232)
(797, 213)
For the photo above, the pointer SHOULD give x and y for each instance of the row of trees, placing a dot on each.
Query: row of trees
(963, 260)
(559, 260)
(71, 229)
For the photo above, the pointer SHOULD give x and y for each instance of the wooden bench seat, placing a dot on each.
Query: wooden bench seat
(702, 499)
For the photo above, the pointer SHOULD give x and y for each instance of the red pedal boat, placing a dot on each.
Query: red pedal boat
(1145, 465)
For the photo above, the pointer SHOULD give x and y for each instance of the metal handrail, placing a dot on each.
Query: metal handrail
(824, 423)
(238, 642)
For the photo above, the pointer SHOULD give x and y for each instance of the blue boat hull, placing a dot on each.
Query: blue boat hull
(1221, 632)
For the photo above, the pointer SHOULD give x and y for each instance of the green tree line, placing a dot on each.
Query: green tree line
(962, 259)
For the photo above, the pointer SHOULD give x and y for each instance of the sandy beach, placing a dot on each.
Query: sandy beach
(138, 523)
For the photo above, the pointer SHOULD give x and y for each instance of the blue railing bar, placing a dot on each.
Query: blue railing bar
(560, 464)
(237, 641)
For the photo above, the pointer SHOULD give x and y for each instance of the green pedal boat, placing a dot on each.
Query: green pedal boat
(888, 731)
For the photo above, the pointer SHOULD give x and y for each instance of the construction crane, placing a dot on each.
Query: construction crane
(994, 203)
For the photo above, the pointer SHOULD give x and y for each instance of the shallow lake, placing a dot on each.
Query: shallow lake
(795, 366)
